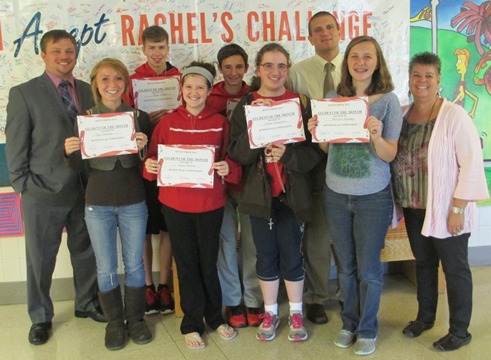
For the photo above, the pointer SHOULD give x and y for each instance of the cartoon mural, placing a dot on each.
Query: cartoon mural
(459, 32)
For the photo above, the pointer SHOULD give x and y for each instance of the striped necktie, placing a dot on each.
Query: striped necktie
(67, 99)
(328, 81)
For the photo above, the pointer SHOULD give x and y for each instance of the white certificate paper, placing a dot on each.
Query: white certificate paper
(110, 134)
(186, 166)
(280, 122)
(340, 120)
(158, 93)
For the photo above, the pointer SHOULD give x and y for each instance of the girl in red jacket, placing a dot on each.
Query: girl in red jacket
(194, 215)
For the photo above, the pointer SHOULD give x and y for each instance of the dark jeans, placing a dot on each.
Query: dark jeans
(195, 241)
(452, 252)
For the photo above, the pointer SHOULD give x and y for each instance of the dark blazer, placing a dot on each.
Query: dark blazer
(37, 126)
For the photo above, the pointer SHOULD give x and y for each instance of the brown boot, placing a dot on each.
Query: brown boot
(116, 332)
(134, 304)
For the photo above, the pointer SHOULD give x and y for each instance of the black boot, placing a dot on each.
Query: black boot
(116, 332)
(134, 304)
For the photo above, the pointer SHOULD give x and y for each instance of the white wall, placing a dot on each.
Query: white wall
(13, 258)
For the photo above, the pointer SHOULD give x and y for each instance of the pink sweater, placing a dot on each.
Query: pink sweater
(455, 170)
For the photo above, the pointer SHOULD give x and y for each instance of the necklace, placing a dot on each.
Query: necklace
(432, 108)
(417, 121)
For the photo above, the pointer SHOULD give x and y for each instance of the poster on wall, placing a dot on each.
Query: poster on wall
(459, 33)
(197, 30)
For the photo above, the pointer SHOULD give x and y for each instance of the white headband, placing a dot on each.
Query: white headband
(200, 71)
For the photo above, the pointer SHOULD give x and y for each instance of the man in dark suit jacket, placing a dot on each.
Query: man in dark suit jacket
(52, 194)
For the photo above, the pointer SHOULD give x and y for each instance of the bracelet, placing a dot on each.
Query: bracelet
(457, 210)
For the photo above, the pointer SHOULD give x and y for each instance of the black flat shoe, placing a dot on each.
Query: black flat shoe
(451, 342)
(39, 333)
(316, 313)
(95, 314)
(415, 328)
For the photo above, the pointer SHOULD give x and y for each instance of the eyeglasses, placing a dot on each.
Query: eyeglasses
(282, 68)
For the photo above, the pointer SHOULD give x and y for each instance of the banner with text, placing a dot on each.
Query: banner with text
(197, 30)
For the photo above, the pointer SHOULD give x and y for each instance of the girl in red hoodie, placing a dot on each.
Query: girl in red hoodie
(194, 215)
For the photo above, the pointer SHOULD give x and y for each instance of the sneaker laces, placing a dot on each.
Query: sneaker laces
(296, 321)
(267, 320)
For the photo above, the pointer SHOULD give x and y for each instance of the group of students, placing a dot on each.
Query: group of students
(269, 191)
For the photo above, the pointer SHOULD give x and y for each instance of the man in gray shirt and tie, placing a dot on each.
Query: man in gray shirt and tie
(310, 77)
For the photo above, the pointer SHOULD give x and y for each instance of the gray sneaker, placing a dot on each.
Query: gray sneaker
(365, 346)
(267, 330)
(345, 339)
(297, 330)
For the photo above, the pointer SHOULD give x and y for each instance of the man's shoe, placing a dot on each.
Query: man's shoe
(451, 342)
(416, 328)
(95, 314)
(152, 305)
(39, 333)
(254, 316)
(166, 302)
(235, 316)
(316, 314)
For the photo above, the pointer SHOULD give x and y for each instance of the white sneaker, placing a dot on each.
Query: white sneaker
(365, 346)
(345, 339)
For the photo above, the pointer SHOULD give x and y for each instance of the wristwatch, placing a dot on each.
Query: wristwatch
(457, 210)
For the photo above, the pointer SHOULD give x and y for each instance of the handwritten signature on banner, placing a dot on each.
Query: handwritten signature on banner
(197, 29)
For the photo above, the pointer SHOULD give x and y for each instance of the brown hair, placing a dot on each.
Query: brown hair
(319, 14)
(271, 47)
(54, 36)
(155, 33)
(381, 79)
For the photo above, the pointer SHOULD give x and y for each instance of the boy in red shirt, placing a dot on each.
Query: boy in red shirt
(232, 63)
(156, 49)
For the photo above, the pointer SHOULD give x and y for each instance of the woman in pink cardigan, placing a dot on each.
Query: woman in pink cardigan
(438, 176)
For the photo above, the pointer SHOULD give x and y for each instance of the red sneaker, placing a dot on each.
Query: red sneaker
(253, 316)
(166, 302)
(235, 316)
(151, 301)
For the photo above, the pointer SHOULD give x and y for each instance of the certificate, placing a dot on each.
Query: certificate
(108, 134)
(158, 93)
(186, 166)
(280, 122)
(340, 120)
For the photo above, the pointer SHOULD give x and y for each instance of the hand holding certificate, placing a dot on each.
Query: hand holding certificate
(108, 134)
(158, 93)
(186, 166)
(340, 120)
(277, 123)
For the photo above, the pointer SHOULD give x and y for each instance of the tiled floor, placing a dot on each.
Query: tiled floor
(75, 338)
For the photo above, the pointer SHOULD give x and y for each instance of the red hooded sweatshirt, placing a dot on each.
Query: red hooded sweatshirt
(182, 128)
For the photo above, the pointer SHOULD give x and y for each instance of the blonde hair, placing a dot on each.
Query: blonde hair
(116, 65)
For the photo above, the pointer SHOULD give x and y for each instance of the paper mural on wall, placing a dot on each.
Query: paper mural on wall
(197, 30)
(10, 215)
(459, 32)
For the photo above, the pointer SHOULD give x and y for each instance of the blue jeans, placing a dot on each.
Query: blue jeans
(237, 268)
(358, 227)
(102, 223)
